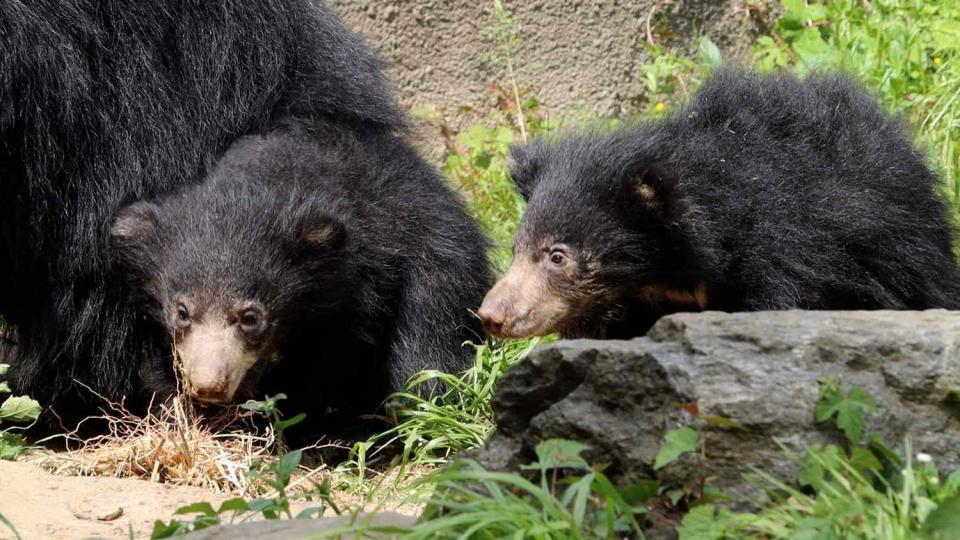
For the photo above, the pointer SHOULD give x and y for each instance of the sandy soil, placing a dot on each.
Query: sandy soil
(42, 506)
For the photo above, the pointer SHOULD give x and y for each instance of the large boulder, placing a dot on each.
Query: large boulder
(755, 374)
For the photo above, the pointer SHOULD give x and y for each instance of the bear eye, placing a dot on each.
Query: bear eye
(251, 321)
(183, 316)
(557, 257)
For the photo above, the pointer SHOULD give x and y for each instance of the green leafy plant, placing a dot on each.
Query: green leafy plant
(848, 410)
(19, 409)
(571, 500)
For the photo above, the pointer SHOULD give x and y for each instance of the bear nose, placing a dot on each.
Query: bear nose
(209, 385)
(211, 395)
(492, 314)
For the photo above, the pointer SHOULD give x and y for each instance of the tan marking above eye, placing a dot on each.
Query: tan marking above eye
(321, 235)
(645, 192)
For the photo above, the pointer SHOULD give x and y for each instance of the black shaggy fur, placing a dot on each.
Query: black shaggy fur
(773, 193)
(383, 293)
(103, 103)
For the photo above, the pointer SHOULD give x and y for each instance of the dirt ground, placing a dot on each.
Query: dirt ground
(42, 506)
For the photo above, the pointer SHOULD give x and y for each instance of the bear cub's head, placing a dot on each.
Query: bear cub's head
(603, 232)
(230, 268)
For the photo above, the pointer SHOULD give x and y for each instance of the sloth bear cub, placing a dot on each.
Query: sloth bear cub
(764, 193)
(311, 261)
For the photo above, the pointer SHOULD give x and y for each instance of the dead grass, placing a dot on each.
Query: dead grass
(173, 444)
(216, 448)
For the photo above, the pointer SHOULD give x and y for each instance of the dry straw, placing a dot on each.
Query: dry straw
(172, 444)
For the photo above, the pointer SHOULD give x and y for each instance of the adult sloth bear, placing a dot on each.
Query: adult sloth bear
(764, 193)
(106, 103)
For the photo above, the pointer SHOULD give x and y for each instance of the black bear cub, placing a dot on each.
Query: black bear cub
(764, 193)
(309, 261)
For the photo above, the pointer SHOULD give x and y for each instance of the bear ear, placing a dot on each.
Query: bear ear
(650, 187)
(524, 165)
(135, 222)
(324, 233)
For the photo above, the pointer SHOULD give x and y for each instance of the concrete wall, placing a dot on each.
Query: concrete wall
(573, 55)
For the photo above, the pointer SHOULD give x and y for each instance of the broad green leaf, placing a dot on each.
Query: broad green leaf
(924, 507)
(944, 522)
(290, 461)
(310, 513)
(863, 460)
(815, 463)
(4, 368)
(203, 508)
(205, 522)
(475, 136)
(675, 495)
(710, 54)
(4, 388)
(849, 411)
(642, 491)
(267, 406)
(234, 505)
(503, 136)
(11, 445)
(560, 453)
(882, 451)
(168, 530)
(260, 505)
(945, 34)
(701, 523)
(952, 484)
(19, 409)
(284, 424)
(678, 442)
(483, 160)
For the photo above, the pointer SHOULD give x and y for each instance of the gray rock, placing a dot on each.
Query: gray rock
(760, 371)
(293, 529)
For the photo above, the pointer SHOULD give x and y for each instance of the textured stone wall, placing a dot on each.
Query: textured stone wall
(574, 55)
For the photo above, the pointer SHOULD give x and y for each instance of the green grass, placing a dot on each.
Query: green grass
(470, 502)
(430, 429)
